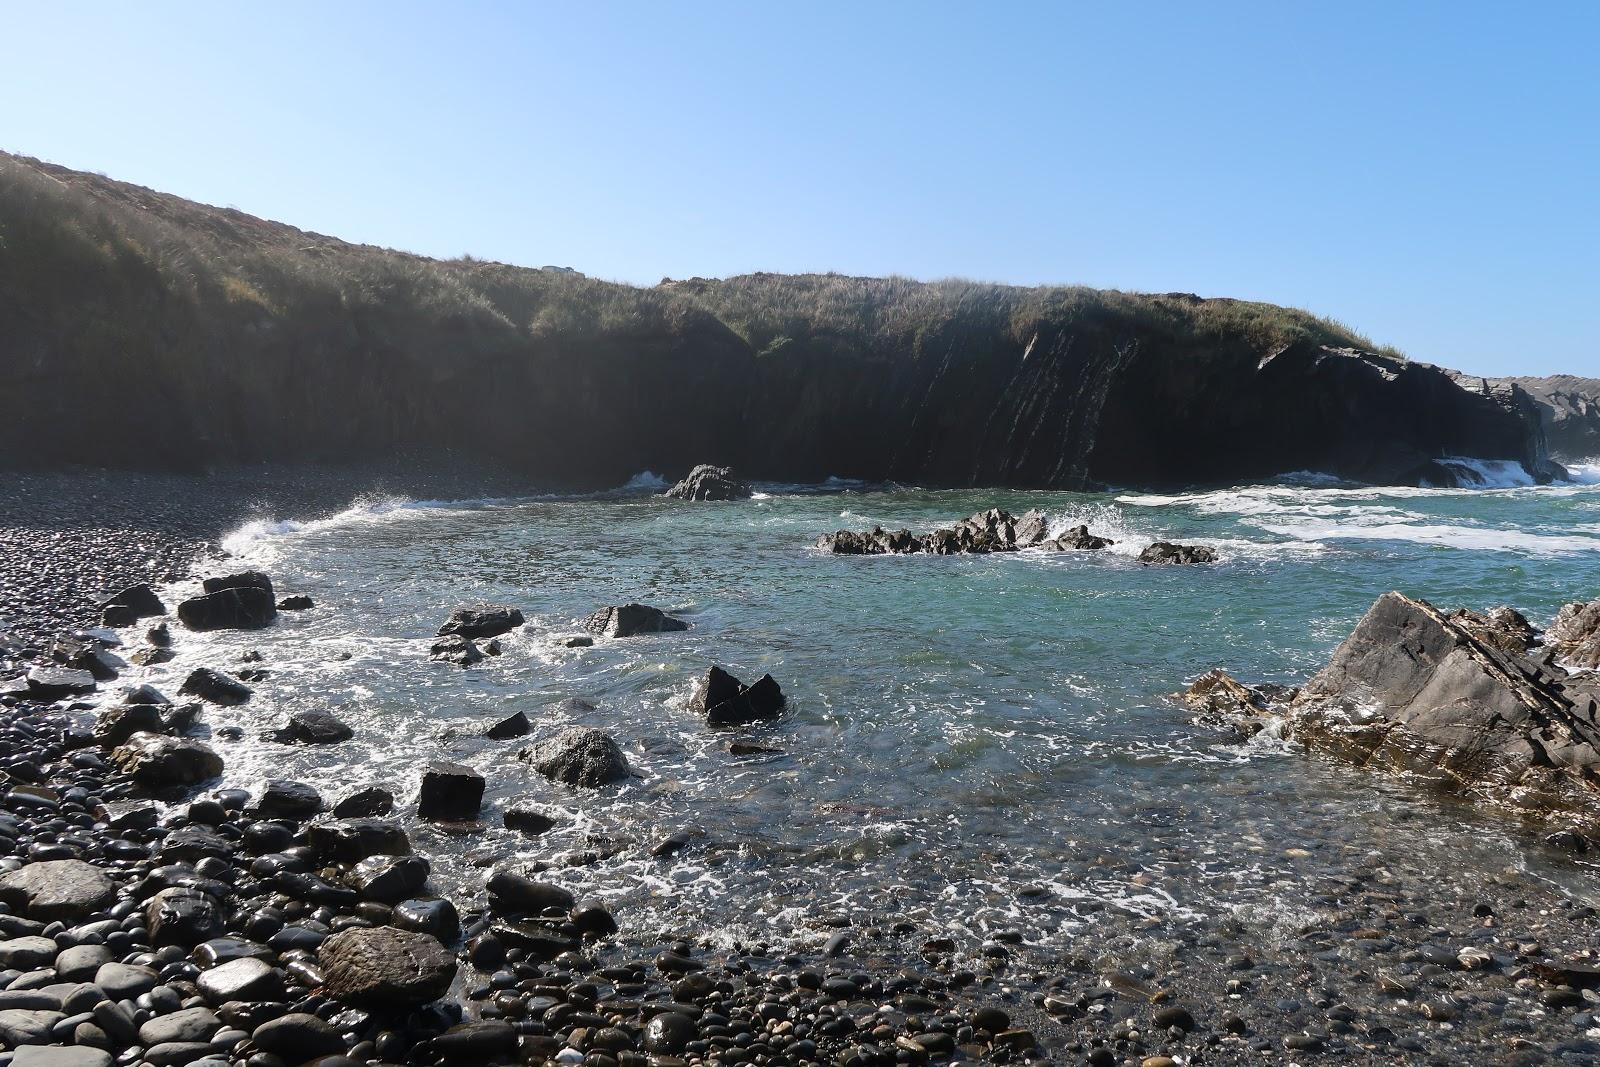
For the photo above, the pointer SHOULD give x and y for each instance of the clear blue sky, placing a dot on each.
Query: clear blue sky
(1427, 173)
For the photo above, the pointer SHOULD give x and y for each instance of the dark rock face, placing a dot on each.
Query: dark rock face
(995, 530)
(366, 802)
(132, 604)
(215, 687)
(1450, 699)
(284, 799)
(528, 821)
(313, 728)
(1167, 552)
(630, 620)
(726, 701)
(706, 482)
(353, 840)
(239, 608)
(515, 725)
(480, 622)
(580, 757)
(453, 648)
(513, 893)
(385, 969)
(157, 762)
(1568, 409)
(1078, 538)
(296, 602)
(451, 792)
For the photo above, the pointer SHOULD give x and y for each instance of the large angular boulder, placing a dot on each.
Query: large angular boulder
(158, 762)
(241, 608)
(1415, 690)
(1574, 636)
(184, 916)
(630, 620)
(57, 889)
(706, 482)
(285, 799)
(384, 968)
(353, 840)
(247, 978)
(451, 792)
(581, 756)
(46, 682)
(132, 604)
(511, 892)
(725, 701)
(513, 725)
(482, 621)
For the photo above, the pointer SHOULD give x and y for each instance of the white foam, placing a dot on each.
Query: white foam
(249, 537)
(1583, 471)
(1487, 473)
(1476, 538)
(645, 480)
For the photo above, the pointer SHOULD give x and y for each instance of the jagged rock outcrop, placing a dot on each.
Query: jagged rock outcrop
(1165, 552)
(1569, 412)
(995, 530)
(1465, 700)
(706, 482)
(631, 620)
(725, 701)
(580, 756)
(478, 622)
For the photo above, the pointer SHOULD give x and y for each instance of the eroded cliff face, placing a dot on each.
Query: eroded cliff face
(141, 330)
(1569, 409)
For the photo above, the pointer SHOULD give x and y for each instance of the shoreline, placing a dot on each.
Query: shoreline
(1372, 957)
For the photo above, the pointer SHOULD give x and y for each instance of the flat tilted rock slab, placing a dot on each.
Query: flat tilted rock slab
(385, 968)
(58, 889)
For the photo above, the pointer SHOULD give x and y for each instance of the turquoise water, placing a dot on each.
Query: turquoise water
(972, 743)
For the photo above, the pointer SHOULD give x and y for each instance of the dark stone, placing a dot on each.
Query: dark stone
(366, 802)
(706, 482)
(296, 602)
(298, 1037)
(528, 821)
(53, 683)
(1167, 552)
(1078, 538)
(725, 701)
(580, 756)
(631, 620)
(353, 840)
(476, 1043)
(157, 762)
(137, 602)
(313, 728)
(453, 648)
(510, 892)
(229, 609)
(478, 622)
(385, 969)
(451, 792)
(242, 580)
(593, 918)
(241, 979)
(512, 726)
(390, 879)
(282, 799)
(435, 917)
(214, 687)
(182, 916)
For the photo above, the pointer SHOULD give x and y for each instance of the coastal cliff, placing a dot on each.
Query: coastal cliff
(142, 330)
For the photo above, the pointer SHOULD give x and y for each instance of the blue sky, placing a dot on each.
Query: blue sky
(1429, 174)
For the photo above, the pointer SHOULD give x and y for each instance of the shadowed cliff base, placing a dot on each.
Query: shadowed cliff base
(146, 331)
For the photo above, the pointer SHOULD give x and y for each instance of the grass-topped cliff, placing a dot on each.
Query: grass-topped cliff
(146, 330)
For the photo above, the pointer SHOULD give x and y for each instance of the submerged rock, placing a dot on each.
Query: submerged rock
(482, 621)
(630, 620)
(214, 687)
(1167, 552)
(581, 756)
(132, 604)
(313, 728)
(453, 648)
(706, 482)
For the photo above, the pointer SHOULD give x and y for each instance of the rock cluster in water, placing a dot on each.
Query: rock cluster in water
(1480, 703)
(996, 530)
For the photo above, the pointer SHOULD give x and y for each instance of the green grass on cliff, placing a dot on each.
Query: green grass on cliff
(116, 272)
